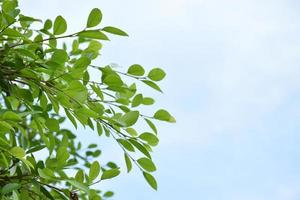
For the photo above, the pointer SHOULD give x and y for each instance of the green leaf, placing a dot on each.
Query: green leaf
(140, 147)
(17, 152)
(98, 91)
(150, 138)
(132, 132)
(136, 70)
(94, 170)
(94, 18)
(9, 115)
(78, 185)
(62, 156)
(71, 118)
(164, 115)
(46, 173)
(5, 127)
(146, 164)
(151, 125)
(148, 101)
(114, 30)
(130, 118)
(93, 34)
(126, 145)
(35, 149)
(46, 193)
(12, 33)
(48, 24)
(156, 74)
(150, 180)
(108, 194)
(79, 177)
(10, 187)
(59, 56)
(128, 162)
(113, 80)
(52, 124)
(152, 85)
(99, 129)
(60, 25)
(108, 174)
(137, 100)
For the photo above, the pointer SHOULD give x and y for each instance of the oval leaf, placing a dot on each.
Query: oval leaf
(60, 25)
(94, 18)
(146, 164)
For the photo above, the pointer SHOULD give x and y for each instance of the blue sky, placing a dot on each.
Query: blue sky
(232, 83)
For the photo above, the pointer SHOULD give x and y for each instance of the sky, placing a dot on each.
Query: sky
(232, 83)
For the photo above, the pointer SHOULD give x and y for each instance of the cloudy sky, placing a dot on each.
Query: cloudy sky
(232, 83)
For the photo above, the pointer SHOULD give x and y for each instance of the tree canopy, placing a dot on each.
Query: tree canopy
(45, 79)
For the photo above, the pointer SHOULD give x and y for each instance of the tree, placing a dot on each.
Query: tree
(43, 82)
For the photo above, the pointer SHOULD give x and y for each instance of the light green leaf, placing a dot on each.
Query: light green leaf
(148, 101)
(128, 162)
(150, 180)
(152, 85)
(78, 185)
(140, 147)
(94, 18)
(150, 138)
(151, 125)
(94, 170)
(156, 74)
(136, 70)
(62, 156)
(137, 100)
(146, 164)
(126, 145)
(17, 152)
(5, 127)
(164, 115)
(46, 173)
(93, 34)
(59, 56)
(108, 174)
(130, 118)
(114, 30)
(60, 25)
(52, 124)
(12, 33)
(9, 115)
(131, 131)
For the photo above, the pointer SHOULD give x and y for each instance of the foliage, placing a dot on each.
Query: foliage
(44, 81)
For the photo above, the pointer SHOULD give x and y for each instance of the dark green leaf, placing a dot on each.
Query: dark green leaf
(10, 187)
